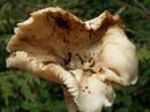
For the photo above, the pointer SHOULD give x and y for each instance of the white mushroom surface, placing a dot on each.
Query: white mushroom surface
(89, 58)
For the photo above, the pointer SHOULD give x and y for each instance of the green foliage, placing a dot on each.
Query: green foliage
(143, 53)
(3, 53)
(21, 92)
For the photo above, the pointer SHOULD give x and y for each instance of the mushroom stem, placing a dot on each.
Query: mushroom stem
(71, 106)
(21, 60)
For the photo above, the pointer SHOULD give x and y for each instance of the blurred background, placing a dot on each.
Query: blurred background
(21, 92)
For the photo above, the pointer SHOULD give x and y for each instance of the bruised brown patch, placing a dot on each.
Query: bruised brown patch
(86, 87)
(62, 23)
(83, 90)
(26, 40)
(101, 70)
(89, 92)
(89, 71)
(92, 62)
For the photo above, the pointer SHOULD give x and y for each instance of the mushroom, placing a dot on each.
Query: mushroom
(89, 59)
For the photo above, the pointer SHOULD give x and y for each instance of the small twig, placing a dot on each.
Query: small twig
(131, 31)
(121, 10)
(141, 6)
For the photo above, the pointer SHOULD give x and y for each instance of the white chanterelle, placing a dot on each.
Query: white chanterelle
(90, 59)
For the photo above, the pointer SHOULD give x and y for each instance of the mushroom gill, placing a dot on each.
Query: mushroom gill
(90, 58)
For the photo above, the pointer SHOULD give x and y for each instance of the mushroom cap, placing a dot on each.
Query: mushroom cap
(57, 46)
(94, 94)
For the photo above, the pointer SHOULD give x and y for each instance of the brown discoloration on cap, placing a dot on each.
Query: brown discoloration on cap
(86, 87)
(89, 92)
(89, 70)
(62, 23)
(101, 70)
(92, 62)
